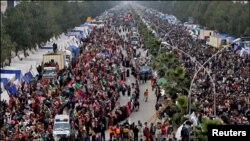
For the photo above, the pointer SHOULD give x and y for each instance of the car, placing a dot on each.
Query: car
(145, 70)
(62, 128)
(135, 40)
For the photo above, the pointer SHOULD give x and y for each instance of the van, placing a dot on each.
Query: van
(61, 128)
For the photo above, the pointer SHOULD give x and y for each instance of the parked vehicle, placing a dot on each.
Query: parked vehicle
(135, 40)
(62, 128)
(146, 70)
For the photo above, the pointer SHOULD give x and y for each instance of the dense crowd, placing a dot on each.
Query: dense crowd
(87, 90)
(229, 71)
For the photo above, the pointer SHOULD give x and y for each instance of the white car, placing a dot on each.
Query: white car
(62, 127)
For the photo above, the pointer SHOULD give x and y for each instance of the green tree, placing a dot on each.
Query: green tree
(201, 131)
(6, 47)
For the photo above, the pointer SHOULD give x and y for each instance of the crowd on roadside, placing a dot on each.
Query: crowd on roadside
(88, 91)
(229, 71)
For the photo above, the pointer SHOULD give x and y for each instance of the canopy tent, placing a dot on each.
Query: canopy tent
(24, 69)
(16, 82)
(87, 22)
(236, 40)
(4, 81)
(27, 77)
(6, 78)
(74, 50)
(11, 89)
(47, 45)
(67, 52)
(5, 96)
(28, 64)
(38, 58)
(2, 86)
(244, 52)
(231, 39)
(77, 30)
(89, 27)
(11, 70)
(73, 33)
(10, 77)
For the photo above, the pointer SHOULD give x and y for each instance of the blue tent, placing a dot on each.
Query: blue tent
(17, 72)
(86, 23)
(74, 49)
(27, 77)
(89, 30)
(12, 89)
(5, 81)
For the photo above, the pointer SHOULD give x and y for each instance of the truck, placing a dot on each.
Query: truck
(54, 62)
(62, 130)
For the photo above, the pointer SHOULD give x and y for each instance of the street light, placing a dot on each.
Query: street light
(192, 59)
(201, 67)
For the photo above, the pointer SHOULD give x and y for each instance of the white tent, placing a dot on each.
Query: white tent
(5, 96)
(83, 28)
(22, 66)
(236, 40)
(11, 77)
(244, 52)
(29, 64)
(17, 83)
(2, 86)
(68, 52)
(16, 67)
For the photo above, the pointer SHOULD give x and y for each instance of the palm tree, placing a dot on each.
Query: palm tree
(201, 131)
(180, 109)
(177, 82)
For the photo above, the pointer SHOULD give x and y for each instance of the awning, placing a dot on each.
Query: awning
(12, 89)
(10, 71)
(27, 77)
(4, 81)
(5, 96)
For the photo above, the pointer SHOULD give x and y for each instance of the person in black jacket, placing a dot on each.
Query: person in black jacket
(129, 90)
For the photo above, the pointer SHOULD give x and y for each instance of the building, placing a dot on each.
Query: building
(205, 34)
(220, 40)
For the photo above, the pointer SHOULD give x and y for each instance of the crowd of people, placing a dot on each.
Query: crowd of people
(229, 71)
(87, 90)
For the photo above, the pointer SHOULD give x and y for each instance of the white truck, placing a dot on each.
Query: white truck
(62, 128)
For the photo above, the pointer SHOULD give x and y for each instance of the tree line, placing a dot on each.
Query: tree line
(223, 16)
(32, 23)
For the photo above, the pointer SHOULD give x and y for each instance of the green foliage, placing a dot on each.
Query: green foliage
(6, 46)
(223, 16)
(31, 23)
(200, 131)
(182, 101)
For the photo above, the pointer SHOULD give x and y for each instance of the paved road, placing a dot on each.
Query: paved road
(147, 109)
